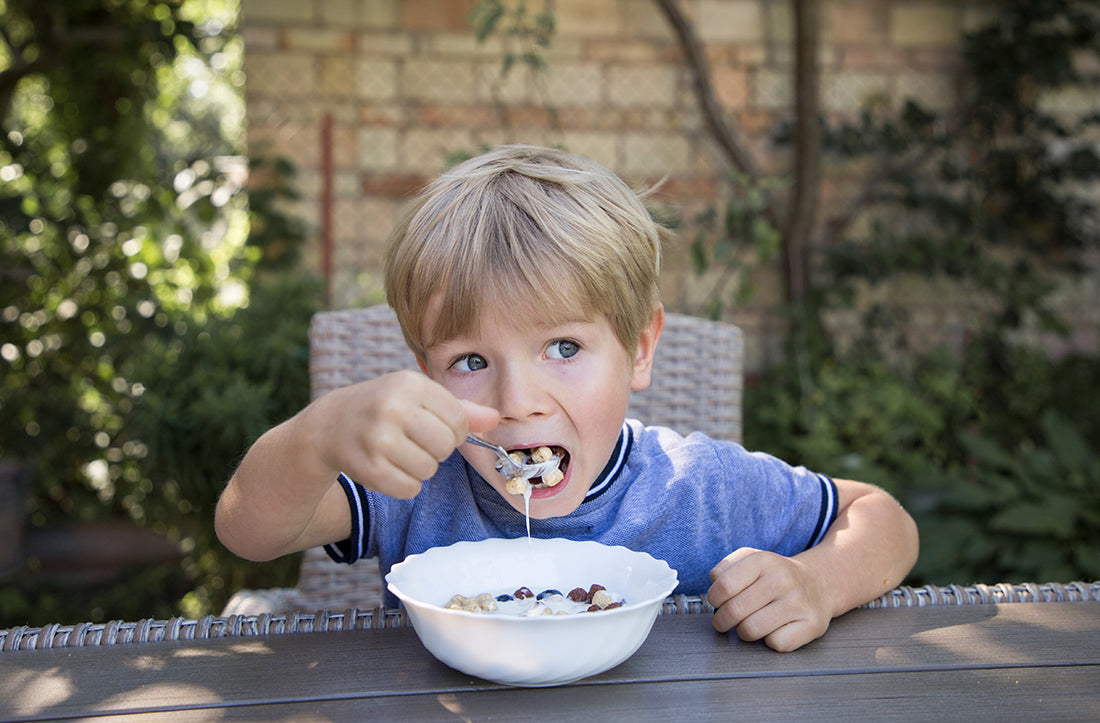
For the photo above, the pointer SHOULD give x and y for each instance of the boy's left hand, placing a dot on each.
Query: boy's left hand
(768, 596)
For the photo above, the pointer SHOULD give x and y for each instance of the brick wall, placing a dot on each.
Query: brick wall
(405, 84)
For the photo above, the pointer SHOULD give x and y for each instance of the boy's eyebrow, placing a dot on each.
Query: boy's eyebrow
(540, 324)
(562, 321)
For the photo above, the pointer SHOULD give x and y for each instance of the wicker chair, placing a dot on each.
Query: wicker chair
(696, 386)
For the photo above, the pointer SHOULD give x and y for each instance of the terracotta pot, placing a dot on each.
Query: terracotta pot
(14, 486)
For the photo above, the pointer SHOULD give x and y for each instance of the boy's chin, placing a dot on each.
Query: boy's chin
(543, 507)
(544, 511)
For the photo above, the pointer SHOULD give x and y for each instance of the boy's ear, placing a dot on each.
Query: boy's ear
(647, 347)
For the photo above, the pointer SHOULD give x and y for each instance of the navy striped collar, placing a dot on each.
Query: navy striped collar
(614, 465)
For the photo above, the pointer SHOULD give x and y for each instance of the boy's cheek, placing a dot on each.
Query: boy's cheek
(466, 388)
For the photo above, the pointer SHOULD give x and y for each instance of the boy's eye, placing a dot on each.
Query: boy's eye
(470, 363)
(562, 349)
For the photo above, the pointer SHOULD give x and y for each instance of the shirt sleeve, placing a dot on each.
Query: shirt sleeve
(827, 514)
(775, 506)
(352, 549)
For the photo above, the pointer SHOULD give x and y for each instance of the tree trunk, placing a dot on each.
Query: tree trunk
(800, 213)
(802, 210)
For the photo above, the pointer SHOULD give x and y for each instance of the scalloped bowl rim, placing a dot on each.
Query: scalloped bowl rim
(460, 638)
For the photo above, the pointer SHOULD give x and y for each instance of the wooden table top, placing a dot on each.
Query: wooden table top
(1017, 659)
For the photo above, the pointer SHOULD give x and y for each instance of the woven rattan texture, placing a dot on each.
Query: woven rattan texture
(147, 631)
(352, 345)
(696, 387)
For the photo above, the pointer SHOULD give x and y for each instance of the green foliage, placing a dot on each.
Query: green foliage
(146, 340)
(734, 240)
(996, 497)
(858, 419)
(513, 22)
(118, 226)
(206, 396)
(993, 446)
(1029, 511)
(138, 593)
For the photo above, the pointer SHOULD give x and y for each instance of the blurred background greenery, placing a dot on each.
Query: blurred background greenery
(153, 315)
(153, 324)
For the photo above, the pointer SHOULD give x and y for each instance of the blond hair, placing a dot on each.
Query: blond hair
(553, 236)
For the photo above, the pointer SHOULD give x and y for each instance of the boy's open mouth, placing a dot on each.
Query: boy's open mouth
(556, 450)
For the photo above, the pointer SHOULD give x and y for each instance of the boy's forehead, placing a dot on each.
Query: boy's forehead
(495, 308)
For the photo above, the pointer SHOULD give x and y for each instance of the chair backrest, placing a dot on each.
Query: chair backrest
(697, 372)
(352, 345)
(696, 387)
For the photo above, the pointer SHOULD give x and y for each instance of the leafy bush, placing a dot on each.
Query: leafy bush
(206, 397)
(145, 342)
(137, 593)
(1026, 512)
(996, 496)
(119, 221)
(992, 445)
(856, 418)
(199, 400)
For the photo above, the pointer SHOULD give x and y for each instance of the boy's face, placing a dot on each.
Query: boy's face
(563, 386)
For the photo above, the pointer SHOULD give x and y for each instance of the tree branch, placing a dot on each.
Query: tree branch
(713, 115)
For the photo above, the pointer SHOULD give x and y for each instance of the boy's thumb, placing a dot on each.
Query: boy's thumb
(481, 418)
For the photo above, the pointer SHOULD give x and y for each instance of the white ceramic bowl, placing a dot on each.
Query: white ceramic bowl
(531, 651)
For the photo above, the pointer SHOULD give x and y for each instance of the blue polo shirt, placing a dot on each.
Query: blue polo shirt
(687, 500)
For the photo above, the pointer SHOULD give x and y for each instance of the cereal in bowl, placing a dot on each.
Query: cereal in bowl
(525, 603)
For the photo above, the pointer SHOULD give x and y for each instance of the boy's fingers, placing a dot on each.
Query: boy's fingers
(430, 431)
(396, 472)
(761, 622)
(730, 560)
(399, 482)
(733, 574)
(434, 414)
(734, 610)
(793, 635)
(735, 592)
(448, 425)
(481, 418)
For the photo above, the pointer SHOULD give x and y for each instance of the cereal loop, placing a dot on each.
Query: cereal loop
(542, 454)
(602, 599)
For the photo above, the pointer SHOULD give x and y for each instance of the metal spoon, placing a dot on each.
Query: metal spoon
(508, 467)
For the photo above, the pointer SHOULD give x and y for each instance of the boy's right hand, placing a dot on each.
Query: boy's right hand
(390, 433)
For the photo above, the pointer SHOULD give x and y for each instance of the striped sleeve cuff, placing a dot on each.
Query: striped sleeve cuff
(349, 550)
(827, 514)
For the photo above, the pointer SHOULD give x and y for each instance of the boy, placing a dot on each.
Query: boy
(525, 282)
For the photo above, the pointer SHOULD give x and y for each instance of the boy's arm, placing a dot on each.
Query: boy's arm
(388, 434)
(789, 601)
(274, 505)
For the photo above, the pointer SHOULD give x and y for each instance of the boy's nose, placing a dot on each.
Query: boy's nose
(519, 396)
